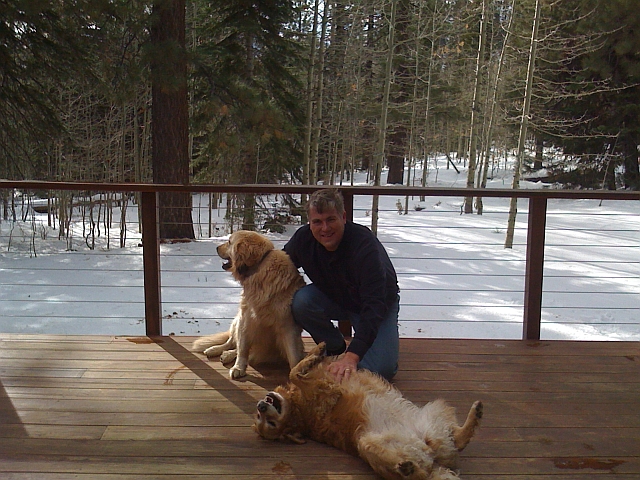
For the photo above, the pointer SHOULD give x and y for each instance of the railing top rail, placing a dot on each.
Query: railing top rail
(296, 189)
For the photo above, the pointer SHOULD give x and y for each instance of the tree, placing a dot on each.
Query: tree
(42, 46)
(402, 95)
(524, 122)
(493, 106)
(309, 164)
(475, 110)
(248, 107)
(606, 78)
(170, 116)
(383, 117)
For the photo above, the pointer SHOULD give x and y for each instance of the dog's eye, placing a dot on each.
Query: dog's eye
(271, 423)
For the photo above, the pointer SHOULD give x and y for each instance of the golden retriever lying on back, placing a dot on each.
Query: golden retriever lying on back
(263, 330)
(366, 416)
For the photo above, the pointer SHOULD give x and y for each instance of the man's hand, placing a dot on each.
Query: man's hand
(342, 368)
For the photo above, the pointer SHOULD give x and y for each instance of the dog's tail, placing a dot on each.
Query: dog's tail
(202, 343)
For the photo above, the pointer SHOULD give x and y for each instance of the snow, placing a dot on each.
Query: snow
(457, 280)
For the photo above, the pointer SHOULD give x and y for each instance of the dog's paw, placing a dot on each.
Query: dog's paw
(214, 351)
(406, 469)
(228, 356)
(319, 350)
(479, 408)
(236, 372)
(315, 357)
(308, 363)
(442, 473)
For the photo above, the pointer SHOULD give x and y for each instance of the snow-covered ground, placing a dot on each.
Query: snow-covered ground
(456, 278)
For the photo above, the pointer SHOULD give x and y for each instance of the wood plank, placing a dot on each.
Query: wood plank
(300, 465)
(310, 475)
(207, 476)
(227, 419)
(245, 442)
(177, 465)
(187, 389)
(217, 403)
(551, 465)
(414, 369)
(47, 431)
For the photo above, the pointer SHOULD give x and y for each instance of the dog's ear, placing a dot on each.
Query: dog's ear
(247, 252)
(296, 438)
(243, 258)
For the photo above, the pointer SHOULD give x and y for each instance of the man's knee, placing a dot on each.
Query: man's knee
(307, 307)
(302, 301)
(389, 371)
(385, 367)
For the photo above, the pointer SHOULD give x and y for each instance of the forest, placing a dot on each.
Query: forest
(309, 91)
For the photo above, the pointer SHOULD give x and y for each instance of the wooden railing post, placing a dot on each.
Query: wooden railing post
(348, 204)
(534, 268)
(151, 264)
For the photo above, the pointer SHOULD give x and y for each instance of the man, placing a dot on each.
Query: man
(353, 279)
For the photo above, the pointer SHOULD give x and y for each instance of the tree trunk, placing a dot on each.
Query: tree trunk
(383, 118)
(492, 112)
(399, 137)
(306, 149)
(609, 180)
(395, 159)
(170, 126)
(317, 117)
(631, 176)
(427, 118)
(537, 163)
(414, 106)
(513, 208)
(475, 108)
(250, 152)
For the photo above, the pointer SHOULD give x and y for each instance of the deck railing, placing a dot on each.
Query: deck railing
(535, 239)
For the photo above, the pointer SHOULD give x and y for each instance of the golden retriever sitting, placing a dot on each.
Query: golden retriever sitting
(263, 330)
(366, 416)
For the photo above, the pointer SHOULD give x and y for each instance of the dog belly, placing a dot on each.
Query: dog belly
(405, 427)
(390, 412)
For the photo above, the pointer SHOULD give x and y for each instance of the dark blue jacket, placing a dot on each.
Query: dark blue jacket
(358, 276)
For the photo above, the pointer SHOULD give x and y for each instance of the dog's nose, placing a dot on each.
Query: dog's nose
(262, 406)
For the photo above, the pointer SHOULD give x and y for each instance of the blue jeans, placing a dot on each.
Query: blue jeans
(314, 312)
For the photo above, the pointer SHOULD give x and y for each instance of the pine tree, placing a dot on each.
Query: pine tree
(606, 81)
(42, 45)
(247, 95)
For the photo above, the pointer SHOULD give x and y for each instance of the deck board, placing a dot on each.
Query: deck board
(99, 407)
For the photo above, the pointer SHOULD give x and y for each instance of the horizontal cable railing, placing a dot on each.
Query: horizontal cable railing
(456, 277)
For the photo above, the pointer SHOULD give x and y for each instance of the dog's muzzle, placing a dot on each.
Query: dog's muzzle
(227, 260)
(270, 400)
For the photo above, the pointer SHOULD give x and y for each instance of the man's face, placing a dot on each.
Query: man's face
(327, 227)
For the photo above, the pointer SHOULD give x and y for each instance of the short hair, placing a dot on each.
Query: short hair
(326, 199)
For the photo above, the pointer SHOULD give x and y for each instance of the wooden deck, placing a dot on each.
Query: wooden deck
(93, 407)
